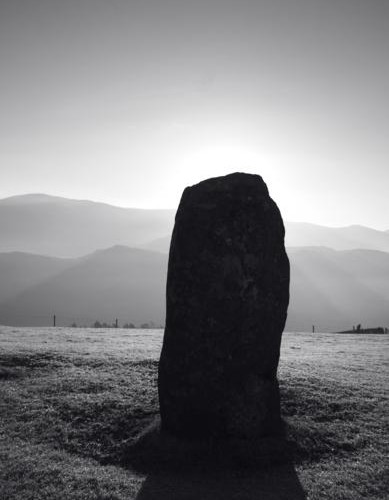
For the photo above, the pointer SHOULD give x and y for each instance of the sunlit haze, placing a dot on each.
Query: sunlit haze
(128, 102)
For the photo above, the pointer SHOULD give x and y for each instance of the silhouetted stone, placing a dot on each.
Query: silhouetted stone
(227, 299)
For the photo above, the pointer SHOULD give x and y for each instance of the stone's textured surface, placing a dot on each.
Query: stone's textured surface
(227, 298)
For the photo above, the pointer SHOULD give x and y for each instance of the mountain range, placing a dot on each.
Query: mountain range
(114, 266)
(60, 227)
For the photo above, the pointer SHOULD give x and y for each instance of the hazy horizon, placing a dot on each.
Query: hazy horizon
(383, 228)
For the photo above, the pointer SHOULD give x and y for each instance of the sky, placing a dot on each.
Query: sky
(127, 102)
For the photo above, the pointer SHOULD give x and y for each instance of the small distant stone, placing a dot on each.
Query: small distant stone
(227, 297)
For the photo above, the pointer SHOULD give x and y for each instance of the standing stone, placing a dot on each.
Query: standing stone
(227, 297)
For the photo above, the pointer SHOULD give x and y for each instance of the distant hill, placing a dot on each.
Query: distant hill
(59, 227)
(20, 271)
(339, 238)
(119, 282)
(333, 290)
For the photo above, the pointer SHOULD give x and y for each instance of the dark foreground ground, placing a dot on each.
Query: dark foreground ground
(73, 401)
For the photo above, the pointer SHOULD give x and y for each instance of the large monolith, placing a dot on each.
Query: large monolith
(226, 304)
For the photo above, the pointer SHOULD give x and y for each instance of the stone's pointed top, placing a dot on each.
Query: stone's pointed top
(236, 186)
(232, 182)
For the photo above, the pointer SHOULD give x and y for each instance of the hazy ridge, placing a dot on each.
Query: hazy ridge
(60, 227)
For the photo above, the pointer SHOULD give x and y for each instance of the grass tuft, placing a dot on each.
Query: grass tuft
(7, 373)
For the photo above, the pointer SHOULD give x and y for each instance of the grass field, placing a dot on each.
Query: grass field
(72, 401)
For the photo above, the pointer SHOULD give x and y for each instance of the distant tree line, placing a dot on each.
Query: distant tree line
(115, 324)
(359, 329)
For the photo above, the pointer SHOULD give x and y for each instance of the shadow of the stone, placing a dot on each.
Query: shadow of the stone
(275, 483)
(179, 470)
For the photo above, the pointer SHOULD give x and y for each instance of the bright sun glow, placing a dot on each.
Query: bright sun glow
(220, 159)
